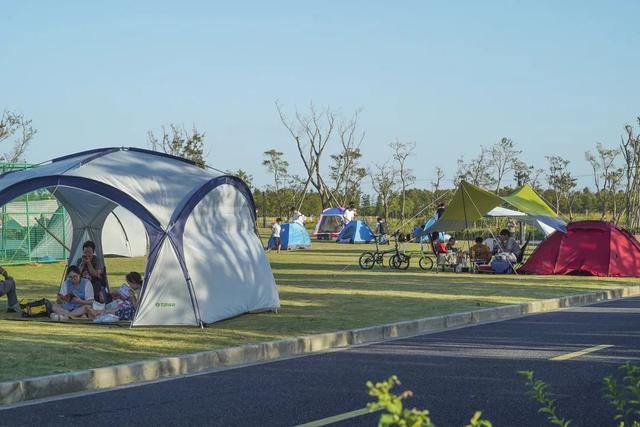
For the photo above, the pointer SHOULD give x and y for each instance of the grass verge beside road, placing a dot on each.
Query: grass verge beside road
(321, 290)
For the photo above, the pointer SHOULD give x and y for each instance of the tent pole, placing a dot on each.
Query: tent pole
(51, 234)
(509, 261)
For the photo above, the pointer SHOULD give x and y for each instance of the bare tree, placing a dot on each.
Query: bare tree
(178, 142)
(16, 129)
(502, 156)
(311, 133)
(477, 171)
(345, 170)
(401, 152)
(630, 148)
(383, 181)
(435, 185)
(606, 175)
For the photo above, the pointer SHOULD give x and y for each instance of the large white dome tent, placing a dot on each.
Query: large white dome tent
(205, 261)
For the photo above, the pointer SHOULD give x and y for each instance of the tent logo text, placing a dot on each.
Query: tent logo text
(165, 304)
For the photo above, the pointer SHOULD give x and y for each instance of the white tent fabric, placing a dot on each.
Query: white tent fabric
(205, 261)
(521, 216)
(123, 234)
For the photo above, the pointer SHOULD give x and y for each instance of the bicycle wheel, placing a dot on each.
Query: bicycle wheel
(367, 261)
(394, 261)
(405, 260)
(425, 263)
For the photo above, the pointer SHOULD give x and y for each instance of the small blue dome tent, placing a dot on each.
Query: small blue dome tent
(292, 236)
(355, 232)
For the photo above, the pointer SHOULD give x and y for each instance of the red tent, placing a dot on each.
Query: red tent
(592, 248)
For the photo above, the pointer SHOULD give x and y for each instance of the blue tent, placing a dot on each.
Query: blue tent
(292, 236)
(427, 237)
(355, 232)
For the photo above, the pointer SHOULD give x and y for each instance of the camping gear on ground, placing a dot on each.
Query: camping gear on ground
(501, 265)
(329, 225)
(292, 236)
(355, 231)
(593, 248)
(205, 261)
(35, 308)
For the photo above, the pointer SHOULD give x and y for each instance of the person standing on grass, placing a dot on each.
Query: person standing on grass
(349, 214)
(297, 216)
(8, 288)
(276, 228)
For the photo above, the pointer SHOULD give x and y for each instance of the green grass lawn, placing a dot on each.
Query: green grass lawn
(321, 290)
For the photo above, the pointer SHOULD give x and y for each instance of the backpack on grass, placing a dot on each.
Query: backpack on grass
(35, 308)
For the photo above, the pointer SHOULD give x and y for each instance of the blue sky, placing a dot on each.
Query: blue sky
(556, 77)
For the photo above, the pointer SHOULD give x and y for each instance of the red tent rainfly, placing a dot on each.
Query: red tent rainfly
(594, 248)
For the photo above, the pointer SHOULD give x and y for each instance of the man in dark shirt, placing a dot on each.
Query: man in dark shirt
(92, 268)
(439, 211)
(8, 288)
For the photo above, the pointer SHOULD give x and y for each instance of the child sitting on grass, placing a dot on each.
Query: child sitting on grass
(125, 301)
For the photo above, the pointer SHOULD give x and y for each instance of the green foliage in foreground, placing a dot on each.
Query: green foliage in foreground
(538, 391)
(397, 415)
(624, 397)
(321, 290)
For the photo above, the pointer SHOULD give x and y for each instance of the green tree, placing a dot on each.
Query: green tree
(561, 181)
(477, 171)
(243, 175)
(606, 176)
(177, 141)
(502, 156)
(276, 164)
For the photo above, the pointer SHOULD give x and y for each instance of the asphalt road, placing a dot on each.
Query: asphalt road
(452, 373)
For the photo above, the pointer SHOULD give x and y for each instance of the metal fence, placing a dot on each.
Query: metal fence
(33, 227)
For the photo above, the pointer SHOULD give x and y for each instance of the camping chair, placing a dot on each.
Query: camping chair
(442, 259)
(520, 257)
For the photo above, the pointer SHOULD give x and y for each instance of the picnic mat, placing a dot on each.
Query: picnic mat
(70, 321)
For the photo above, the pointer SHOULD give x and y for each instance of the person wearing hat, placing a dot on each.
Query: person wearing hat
(8, 288)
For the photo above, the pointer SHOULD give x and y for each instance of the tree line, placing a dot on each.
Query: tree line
(330, 147)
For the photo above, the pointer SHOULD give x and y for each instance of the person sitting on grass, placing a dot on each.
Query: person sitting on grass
(125, 301)
(75, 294)
(509, 245)
(451, 245)
(91, 267)
(8, 288)
(480, 253)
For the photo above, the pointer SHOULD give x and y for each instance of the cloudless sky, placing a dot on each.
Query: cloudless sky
(555, 77)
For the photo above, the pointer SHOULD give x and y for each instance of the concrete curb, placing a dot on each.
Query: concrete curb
(113, 376)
